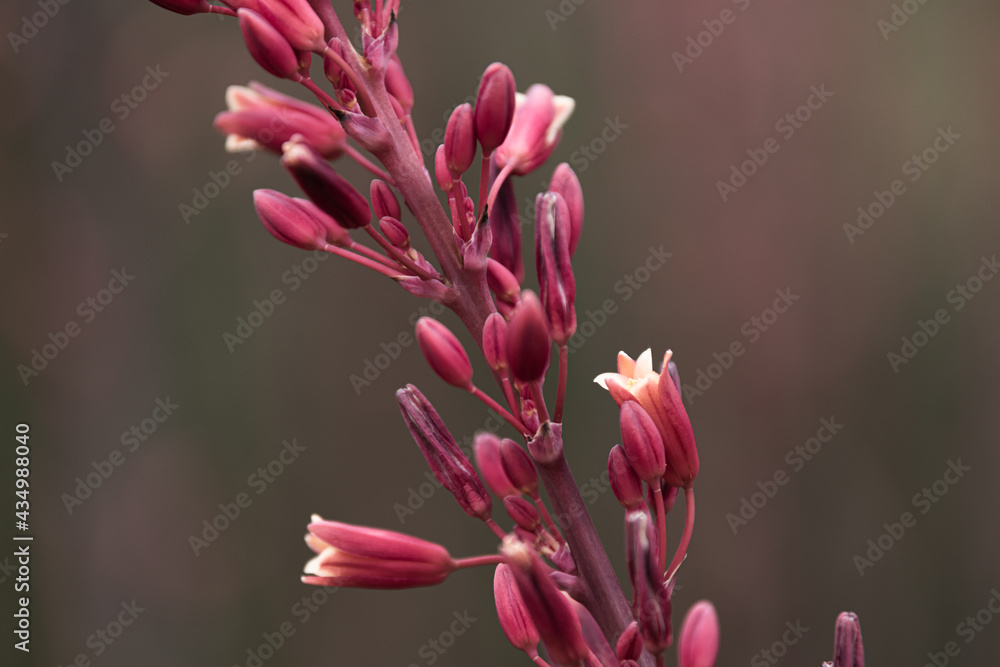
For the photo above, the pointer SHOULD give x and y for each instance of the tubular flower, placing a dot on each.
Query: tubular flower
(359, 557)
(636, 381)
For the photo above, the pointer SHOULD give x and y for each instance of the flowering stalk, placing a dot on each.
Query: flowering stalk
(554, 584)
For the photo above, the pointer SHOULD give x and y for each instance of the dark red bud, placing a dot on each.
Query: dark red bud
(528, 342)
(495, 342)
(519, 467)
(384, 201)
(522, 512)
(460, 140)
(625, 484)
(268, 46)
(495, 104)
(444, 353)
(565, 183)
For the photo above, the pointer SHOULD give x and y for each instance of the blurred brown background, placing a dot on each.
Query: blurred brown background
(650, 182)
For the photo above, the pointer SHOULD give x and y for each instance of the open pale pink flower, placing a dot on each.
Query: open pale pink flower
(536, 129)
(360, 557)
(637, 381)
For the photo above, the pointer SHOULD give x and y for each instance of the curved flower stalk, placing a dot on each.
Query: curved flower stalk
(557, 595)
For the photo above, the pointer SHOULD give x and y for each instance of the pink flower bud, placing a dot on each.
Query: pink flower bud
(384, 201)
(185, 7)
(522, 512)
(495, 104)
(519, 468)
(441, 171)
(294, 19)
(398, 85)
(535, 130)
(460, 140)
(261, 118)
(549, 609)
(555, 273)
(629, 645)
(330, 191)
(395, 232)
(699, 642)
(642, 443)
(528, 342)
(674, 375)
(288, 222)
(678, 436)
(495, 342)
(502, 282)
(515, 621)
(625, 483)
(565, 183)
(486, 449)
(444, 353)
(268, 46)
(446, 460)
(848, 649)
(360, 557)
(505, 223)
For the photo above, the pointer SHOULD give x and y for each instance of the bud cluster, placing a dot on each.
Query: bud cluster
(554, 585)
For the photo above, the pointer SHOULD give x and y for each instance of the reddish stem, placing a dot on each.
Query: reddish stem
(363, 261)
(499, 409)
(355, 155)
(484, 181)
(547, 519)
(399, 255)
(497, 530)
(688, 530)
(561, 391)
(477, 561)
(501, 177)
(661, 527)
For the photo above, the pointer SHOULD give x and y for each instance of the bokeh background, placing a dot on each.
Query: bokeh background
(654, 184)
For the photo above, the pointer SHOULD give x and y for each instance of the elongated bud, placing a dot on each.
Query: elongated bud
(549, 609)
(185, 7)
(642, 443)
(651, 596)
(495, 342)
(518, 466)
(535, 130)
(330, 191)
(678, 438)
(441, 171)
(699, 642)
(287, 221)
(495, 104)
(629, 645)
(505, 223)
(444, 353)
(361, 557)
(395, 232)
(528, 342)
(261, 118)
(593, 635)
(848, 649)
(398, 85)
(555, 273)
(486, 449)
(384, 201)
(460, 140)
(515, 621)
(567, 185)
(502, 282)
(446, 460)
(294, 19)
(522, 512)
(625, 483)
(268, 46)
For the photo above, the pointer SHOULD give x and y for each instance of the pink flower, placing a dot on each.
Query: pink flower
(535, 130)
(360, 557)
(636, 381)
(699, 643)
